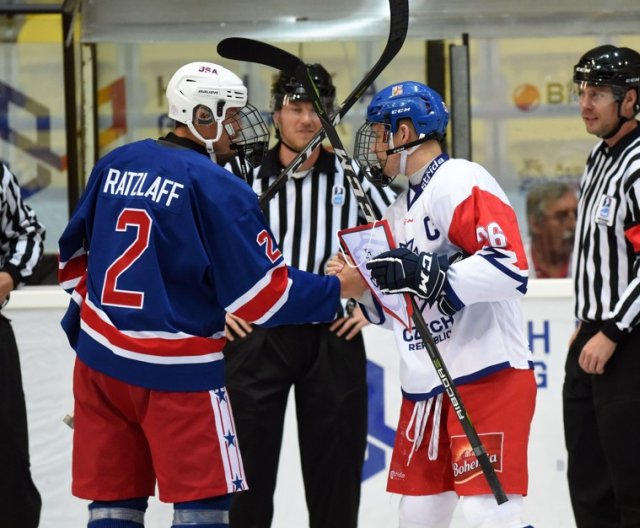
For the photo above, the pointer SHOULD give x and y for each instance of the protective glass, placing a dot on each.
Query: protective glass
(597, 95)
(249, 134)
(299, 111)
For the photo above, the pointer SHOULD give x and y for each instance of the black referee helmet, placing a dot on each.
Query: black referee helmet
(618, 68)
(287, 88)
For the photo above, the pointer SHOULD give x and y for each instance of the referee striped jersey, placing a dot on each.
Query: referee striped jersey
(606, 257)
(21, 235)
(306, 215)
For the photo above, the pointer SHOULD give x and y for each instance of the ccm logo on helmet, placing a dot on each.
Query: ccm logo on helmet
(208, 69)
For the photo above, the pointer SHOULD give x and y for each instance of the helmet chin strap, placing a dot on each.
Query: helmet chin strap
(208, 143)
(279, 138)
(404, 154)
(290, 147)
(621, 121)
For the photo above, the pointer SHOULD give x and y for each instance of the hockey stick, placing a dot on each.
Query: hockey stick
(252, 51)
(292, 65)
(418, 319)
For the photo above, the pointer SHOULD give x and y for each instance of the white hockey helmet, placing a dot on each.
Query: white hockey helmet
(204, 84)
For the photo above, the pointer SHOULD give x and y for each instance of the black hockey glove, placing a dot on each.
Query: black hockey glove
(401, 270)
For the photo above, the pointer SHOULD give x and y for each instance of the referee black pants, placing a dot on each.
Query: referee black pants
(602, 434)
(328, 374)
(19, 499)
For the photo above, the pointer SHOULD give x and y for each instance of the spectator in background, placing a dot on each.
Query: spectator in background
(21, 243)
(551, 218)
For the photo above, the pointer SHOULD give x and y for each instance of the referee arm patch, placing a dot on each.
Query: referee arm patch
(632, 233)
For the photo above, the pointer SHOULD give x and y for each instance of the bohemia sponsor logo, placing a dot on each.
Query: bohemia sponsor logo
(396, 475)
(464, 462)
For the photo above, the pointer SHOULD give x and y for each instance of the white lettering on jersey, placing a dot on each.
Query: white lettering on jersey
(130, 183)
(110, 181)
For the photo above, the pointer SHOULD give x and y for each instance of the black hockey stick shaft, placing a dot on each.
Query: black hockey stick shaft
(418, 319)
(459, 408)
(254, 51)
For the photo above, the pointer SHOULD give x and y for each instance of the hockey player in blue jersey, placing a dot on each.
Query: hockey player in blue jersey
(162, 243)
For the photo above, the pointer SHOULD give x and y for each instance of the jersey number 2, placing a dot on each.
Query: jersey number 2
(263, 239)
(129, 218)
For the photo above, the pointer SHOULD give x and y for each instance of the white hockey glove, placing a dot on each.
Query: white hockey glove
(401, 270)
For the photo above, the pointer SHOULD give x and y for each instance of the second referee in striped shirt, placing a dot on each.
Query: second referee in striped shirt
(601, 393)
(324, 363)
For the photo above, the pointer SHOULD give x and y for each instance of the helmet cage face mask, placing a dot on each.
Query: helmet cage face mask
(249, 134)
(371, 151)
(407, 100)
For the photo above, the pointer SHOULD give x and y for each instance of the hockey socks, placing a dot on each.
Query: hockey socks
(205, 513)
(117, 514)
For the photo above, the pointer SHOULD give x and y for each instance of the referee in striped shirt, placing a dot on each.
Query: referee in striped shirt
(21, 243)
(325, 363)
(601, 392)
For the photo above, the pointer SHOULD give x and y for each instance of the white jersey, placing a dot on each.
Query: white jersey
(458, 206)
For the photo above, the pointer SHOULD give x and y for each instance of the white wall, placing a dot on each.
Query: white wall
(47, 366)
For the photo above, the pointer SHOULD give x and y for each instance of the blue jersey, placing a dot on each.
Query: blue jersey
(162, 243)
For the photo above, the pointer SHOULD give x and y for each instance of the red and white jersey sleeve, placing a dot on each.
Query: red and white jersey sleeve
(482, 223)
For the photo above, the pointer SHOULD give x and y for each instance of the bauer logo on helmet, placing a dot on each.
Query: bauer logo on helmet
(208, 91)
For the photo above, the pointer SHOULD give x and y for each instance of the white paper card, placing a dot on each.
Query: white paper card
(364, 242)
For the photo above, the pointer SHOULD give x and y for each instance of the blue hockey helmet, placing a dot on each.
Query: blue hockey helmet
(410, 100)
(407, 100)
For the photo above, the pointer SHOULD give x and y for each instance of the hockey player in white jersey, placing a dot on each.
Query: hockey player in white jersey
(471, 307)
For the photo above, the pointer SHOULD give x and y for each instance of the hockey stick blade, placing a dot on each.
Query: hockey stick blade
(255, 51)
(249, 50)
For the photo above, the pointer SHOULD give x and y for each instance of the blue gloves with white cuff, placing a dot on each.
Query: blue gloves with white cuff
(400, 270)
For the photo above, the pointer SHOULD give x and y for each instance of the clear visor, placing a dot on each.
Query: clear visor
(584, 93)
(302, 97)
